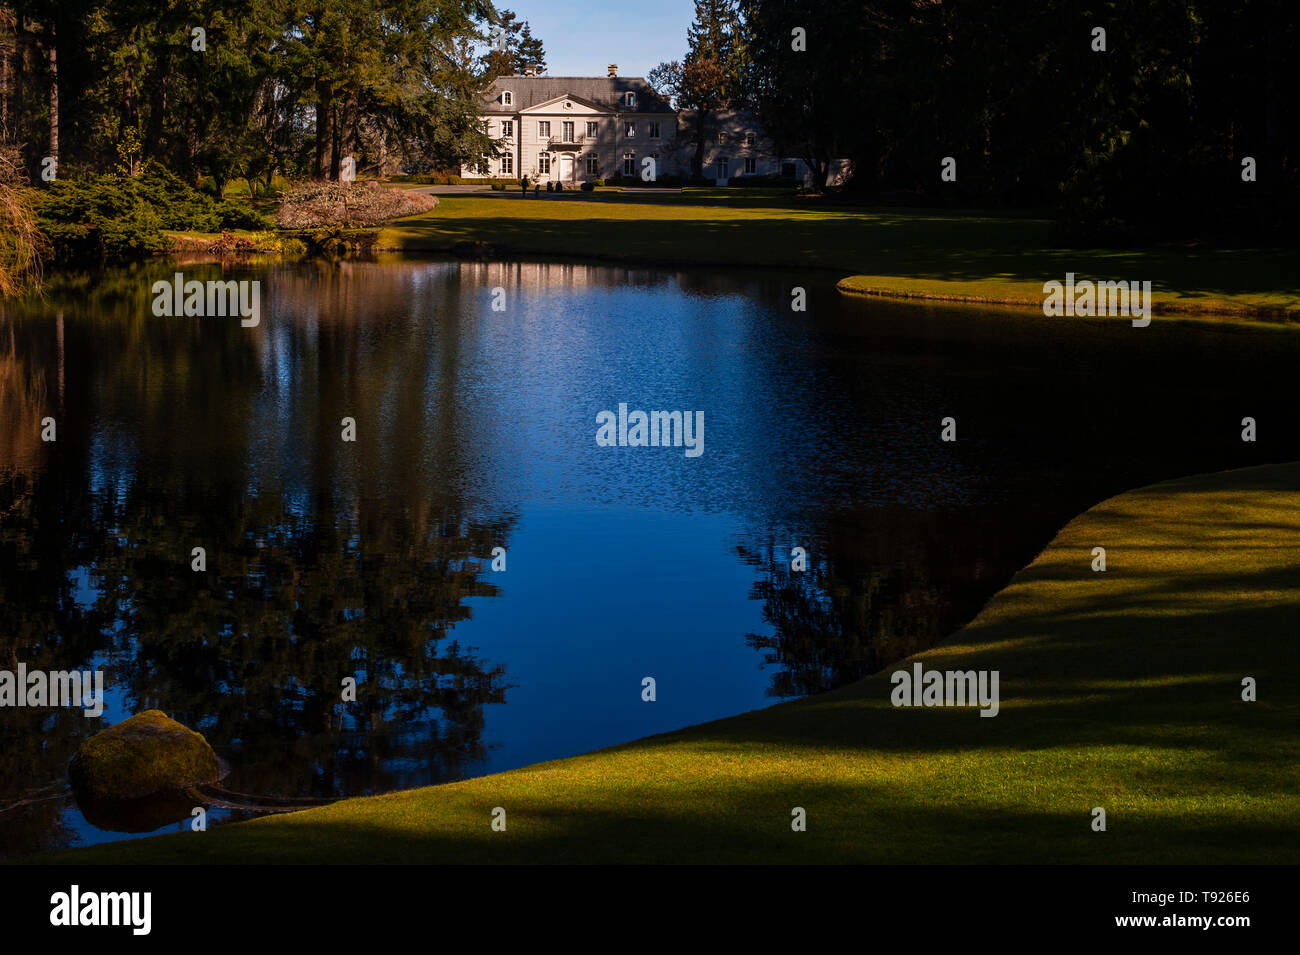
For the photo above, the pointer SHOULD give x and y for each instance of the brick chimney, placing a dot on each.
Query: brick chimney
(530, 69)
(613, 70)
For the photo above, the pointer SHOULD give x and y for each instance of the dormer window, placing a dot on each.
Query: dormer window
(629, 100)
(749, 140)
(507, 98)
(722, 139)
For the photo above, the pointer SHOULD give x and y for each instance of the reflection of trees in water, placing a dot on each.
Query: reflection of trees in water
(324, 560)
(254, 651)
(880, 585)
(40, 623)
(22, 403)
(42, 626)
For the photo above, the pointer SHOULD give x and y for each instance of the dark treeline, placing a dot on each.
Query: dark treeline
(1146, 137)
(249, 89)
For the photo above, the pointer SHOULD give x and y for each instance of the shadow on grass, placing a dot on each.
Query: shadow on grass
(921, 245)
(845, 824)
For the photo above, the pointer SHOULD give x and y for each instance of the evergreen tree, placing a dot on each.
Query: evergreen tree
(530, 51)
(710, 75)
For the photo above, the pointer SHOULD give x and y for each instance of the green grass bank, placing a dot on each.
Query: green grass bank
(1119, 689)
(911, 253)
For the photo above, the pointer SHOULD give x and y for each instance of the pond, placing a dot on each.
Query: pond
(497, 581)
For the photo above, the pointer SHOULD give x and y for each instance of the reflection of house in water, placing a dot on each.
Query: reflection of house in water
(539, 276)
(526, 277)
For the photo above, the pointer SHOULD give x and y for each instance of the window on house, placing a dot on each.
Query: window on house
(507, 98)
(593, 164)
(722, 167)
(592, 130)
(629, 164)
(654, 130)
(544, 164)
(751, 166)
(629, 130)
(629, 100)
(544, 130)
(507, 127)
(722, 139)
(567, 128)
(507, 165)
(749, 140)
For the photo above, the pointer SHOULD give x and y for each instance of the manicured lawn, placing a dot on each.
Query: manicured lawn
(961, 256)
(1118, 689)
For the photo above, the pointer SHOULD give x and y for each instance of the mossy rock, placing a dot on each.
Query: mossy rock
(146, 754)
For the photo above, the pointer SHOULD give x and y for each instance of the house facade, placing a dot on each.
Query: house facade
(577, 129)
(733, 145)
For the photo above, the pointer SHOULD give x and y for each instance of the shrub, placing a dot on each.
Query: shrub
(317, 205)
(588, 187)
(234, 215)
(598, 182)
(109, 218)
(21, 242)
(178, 205)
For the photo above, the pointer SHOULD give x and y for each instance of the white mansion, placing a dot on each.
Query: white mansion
(573, 129)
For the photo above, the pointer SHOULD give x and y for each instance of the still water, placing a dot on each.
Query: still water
(476, 429)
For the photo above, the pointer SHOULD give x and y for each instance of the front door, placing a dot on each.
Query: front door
(566, 168)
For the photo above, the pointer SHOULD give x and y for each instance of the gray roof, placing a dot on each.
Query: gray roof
(603, 91)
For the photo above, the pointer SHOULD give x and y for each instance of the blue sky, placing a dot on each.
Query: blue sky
(581, 38)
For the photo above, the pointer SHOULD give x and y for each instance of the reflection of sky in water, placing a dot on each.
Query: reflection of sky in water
(658, 590)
